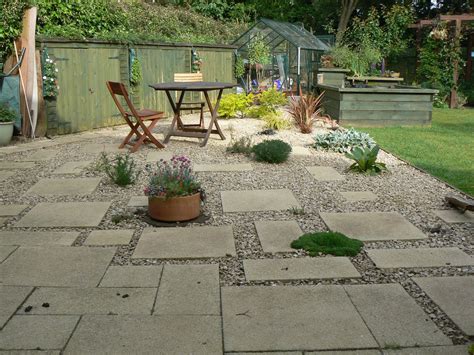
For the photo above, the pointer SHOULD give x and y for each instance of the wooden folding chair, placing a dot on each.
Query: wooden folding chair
(191, 106)
(119, 89)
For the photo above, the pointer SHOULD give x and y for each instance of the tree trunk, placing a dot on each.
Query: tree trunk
(347, 8)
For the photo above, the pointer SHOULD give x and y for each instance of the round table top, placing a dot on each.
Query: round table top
(193, 86)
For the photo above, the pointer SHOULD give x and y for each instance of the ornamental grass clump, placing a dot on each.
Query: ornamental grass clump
(273, 151)
(305, 109)
(328, 243)
(121, 169)
(172, 178)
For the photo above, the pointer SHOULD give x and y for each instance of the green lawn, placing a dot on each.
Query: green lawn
(445, 150)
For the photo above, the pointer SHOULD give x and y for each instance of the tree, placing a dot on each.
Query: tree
(347, 8)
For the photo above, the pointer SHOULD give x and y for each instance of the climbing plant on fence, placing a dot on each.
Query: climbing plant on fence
(10, 23)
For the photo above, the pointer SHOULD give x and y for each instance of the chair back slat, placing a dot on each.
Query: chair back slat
(119, 89)
(187, 77)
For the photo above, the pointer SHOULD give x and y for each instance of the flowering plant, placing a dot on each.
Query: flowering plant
(173, 178)
(50, 81)
(196, 61)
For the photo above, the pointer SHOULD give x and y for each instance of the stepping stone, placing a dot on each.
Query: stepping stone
(298, 151)
(65, 214)
(3, 220)
(455, 216)
(132, 276)
(10, 165)
(98, 148)
(56, 266)
(354, 196)
(185, 243)
(144, 334)
(189, 289)
(24, 238)
(372, 226)
(419, 257)
(73, 186)
(6, 251)
(284, 318)
(156, 155)
(138, 201)
(394, 317)
(324, 173)
(94, 300)
(258, 200)
(454, 295)
(40, 155)
(12, 297)
(72, 167)
(37, 332)
(222, 167)
(430, 350)
(273, 353)
(110, 237)
(299, 269)
(4, 175)
(11, 210)
(276, 236)
(350, 352)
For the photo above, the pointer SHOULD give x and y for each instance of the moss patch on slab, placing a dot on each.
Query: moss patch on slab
(328, 243)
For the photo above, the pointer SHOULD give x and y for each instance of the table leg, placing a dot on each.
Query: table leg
(176, 109)
(213, 122)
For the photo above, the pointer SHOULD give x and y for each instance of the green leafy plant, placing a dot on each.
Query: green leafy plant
(258, 51)
(6, 113)
(50, 73)
(239, 69)
(366, 160)
(235, 105)
(271, 99)
(196, 61)
(305, 109)
(122, 217)
(136, 75)
(243, 145)
(328, 243)
(297, 211)
(121, 169)
(470, 349)
(274, 120)
(342, 141)
(11, 24)
(273, 151)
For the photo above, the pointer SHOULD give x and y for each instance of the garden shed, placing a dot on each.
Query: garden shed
(294, 55)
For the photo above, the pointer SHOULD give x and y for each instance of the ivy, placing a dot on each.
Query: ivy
(50, 72)
(258, 51)
(136, 73)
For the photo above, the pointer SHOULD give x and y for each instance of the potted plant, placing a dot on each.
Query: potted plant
(174, 194)
(7, 116)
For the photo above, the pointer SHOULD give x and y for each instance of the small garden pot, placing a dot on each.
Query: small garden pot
(175, 209)
(6, 133)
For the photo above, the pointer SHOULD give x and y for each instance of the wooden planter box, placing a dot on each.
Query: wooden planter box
(332, 76)
(403, 105)
(375, 80)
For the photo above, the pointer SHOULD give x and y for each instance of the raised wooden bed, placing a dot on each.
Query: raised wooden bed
(332, 76)
(376, 106)
(375, 80)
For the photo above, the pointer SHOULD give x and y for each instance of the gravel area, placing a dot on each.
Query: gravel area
(403, 189)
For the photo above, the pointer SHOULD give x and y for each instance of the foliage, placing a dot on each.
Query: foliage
(11, 23)
(328, 243)
(50, 73)
(6, 113)
(215, 8)
(297, 211)
(243, 145)
(121, 170)
(196, 61)
(342, 141)
(136, 75)
(471, 349)
(121, 217)
(172, 178)
(256, 111)
(235, 105)
(271, 99)
(366, 160)
(304, 110)
(274, 120)
(467, 88)
(358, 59)
(272, 151)
(258, 51)
(239, 69)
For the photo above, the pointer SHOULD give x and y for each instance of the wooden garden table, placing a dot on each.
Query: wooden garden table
(177, 127)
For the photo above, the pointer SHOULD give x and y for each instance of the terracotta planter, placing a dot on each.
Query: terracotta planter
(175, 209)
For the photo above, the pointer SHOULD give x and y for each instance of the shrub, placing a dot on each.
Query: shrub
(328, 243)
(343, 141)
(272, 151)
(256, 111)
(271, 99)
(234, 105)
(304, 109)
(275, 121)
(121, 170)
(6, 113)
(365, 160)
(243, 145)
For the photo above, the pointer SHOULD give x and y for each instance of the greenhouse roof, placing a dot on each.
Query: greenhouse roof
(296, 35)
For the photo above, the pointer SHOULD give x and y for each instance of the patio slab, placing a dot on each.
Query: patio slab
(324, 173)
(10, 165)
(94, 300)
(56, 266)
(34, 238)
(12, 297)
(284, 318)
(298, 269)
(72, 167)
(454, 295)
(394, 317)
(138, 201)
(71, 186)
(372, 226)
(184, 243)
(3, 220)
(419, 257)
(5, 174)
(40, 155)
(132, 276)
(11, 210)
(347, 352)
(144, 334)
(355, 196)
(299, 151)
(6, 251)
(222, 167)
(455, 216)
(65, 214)
(258, 200)
(37, 332)
(189, 290)
(110, 237)
(98, 148)
(430, 350)
(156, 155)
(276, 236)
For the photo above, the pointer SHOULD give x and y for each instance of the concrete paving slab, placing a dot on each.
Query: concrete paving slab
(324, 173)
(430, 350)
(37, 332)
(65, 214)
(56, 266)
(72, 167)
(110, 237)
(6, 251)
(222, 167)
(258, 200)
(355, 196)
(11, 165)
(270, 353)
(6, 174)
(138, 201)
(348, 352)
(3, 220)
(454, 295)
(455, 216)
(31, 352)
(185, 243)
(299, 269)
(419, 257)
(93, 300)
(98, 148)
(3, 320)
(276, 236)
(284, 318)
(394, 317)
(156, 155)
(71, 186)
(372, 226)
(34, 238)
(298, 151)
(189, 290)
(141, 334)
(11, 298)
(12, 210)
(132, 276)
(40, 155)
